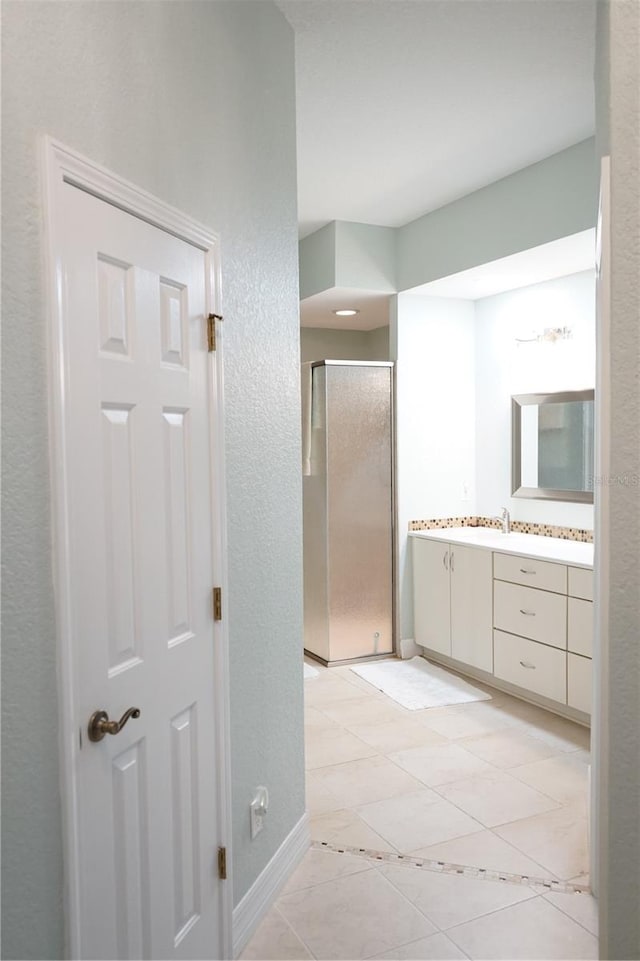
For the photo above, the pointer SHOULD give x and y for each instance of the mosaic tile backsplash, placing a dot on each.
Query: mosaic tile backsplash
(521, 527)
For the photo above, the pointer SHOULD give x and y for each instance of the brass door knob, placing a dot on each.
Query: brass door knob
(99, 723)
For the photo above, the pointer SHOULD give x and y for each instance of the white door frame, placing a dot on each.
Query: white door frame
(599, 814)
(61, 165)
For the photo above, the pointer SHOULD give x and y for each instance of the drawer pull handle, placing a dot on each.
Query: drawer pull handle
(527, 613)
(523, 570)
(530, 667)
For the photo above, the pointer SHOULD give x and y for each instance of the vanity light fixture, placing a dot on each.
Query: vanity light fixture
(548, 335)
(346, 312)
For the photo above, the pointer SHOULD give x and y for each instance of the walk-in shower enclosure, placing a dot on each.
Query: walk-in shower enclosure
(348, 509)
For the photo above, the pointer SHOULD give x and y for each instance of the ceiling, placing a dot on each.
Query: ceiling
(406, 105)
(373, 309)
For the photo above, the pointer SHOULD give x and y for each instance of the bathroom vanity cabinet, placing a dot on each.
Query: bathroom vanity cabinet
(543, 636)
(453, 603)
(525, 621)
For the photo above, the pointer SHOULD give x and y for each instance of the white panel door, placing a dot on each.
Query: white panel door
(138, 440)
(471, 607)
(431, 595)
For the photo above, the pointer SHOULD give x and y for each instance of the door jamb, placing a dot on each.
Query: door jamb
(599, 813)
(61, 165)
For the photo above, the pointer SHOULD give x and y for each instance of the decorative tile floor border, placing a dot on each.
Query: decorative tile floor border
(444, 867)
(520, 527)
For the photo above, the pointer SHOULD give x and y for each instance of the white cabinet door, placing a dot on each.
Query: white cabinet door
(431, 595)
(581, 583)
(579, 682)
(471, 612)
(580, 627)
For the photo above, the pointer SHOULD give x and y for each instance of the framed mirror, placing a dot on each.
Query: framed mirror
(552, 446)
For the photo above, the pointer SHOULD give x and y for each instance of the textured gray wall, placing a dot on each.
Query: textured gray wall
(618, 797)
(194, 102)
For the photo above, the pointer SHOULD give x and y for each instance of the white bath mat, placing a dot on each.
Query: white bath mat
(310, 672)
(417, 684)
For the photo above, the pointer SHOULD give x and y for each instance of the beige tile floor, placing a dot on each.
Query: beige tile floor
(496, 784)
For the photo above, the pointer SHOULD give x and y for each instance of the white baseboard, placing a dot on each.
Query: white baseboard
(409, 648)
(248, 914)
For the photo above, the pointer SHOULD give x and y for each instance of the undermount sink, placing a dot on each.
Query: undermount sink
(491, 535)
(478, 534)
(489, 531)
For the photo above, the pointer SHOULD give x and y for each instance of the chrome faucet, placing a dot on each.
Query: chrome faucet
(505, 520)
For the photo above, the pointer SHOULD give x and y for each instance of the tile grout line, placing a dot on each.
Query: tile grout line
(570, 916)
(445, 867)
(293, 930)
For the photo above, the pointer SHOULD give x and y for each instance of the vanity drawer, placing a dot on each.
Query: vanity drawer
(536, 668)
(581, 583)
(539, 615)
(532, 573)
(579, 682)
(580, 627)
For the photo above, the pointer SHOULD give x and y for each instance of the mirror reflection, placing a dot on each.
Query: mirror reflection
(552, 436)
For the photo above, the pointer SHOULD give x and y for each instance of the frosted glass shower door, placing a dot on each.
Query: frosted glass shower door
(348, 513)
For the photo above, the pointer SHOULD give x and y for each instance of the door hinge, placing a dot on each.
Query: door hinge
(211, 331)
(222, 864)
(217, 603)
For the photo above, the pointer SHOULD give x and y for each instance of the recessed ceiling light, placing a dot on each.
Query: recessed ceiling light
(346, 312)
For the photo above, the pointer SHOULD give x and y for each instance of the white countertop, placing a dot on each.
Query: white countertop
(575, 553)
